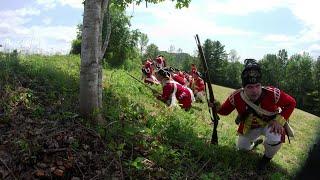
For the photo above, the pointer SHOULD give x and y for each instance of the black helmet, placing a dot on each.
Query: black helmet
(251, 73)
(163, 73)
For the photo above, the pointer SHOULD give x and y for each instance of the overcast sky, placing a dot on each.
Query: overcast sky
(253, 28)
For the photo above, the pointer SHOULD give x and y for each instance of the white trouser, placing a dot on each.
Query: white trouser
(272, 142)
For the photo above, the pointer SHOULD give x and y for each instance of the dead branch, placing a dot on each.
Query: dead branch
(121, 170)
(8, 168)
(79, 169)
(54, 150)
(199, 171)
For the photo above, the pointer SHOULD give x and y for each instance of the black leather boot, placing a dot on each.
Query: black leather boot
(262, 164)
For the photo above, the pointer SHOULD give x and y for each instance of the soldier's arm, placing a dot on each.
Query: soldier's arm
(287, 104)
(226, 108)
(166, 93)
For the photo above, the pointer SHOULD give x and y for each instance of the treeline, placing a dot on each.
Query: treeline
(299, 75)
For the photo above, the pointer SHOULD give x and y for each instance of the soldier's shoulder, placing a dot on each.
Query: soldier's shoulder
(237, 91)
(275, 92)
(271, 89)
(233, 96)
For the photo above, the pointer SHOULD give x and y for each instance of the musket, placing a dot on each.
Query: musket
(213, 111)
(153, 90)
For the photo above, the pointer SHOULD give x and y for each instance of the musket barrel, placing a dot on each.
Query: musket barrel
(153, 90)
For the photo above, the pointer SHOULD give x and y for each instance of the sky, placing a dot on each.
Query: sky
(252, 28)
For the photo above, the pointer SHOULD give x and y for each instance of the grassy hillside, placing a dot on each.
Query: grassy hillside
(141, 138)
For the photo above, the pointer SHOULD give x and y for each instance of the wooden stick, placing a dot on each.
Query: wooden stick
(54, 150)
(8, 168)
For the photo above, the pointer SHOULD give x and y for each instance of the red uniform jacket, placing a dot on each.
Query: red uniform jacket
(190, 81)
(179, 79)
(271, 99)
(193, 71)
(183, 95)
(160, 62)
(148, 69)
(199, 84)
(181, 74)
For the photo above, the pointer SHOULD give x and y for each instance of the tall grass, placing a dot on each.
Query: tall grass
(185, 136)
(49, 84)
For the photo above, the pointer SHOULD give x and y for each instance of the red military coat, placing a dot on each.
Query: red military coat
(271, 99)
(193, 71)
(160, 62)
(148, 67)
(183, 95)
(199, 84)
(179, 79)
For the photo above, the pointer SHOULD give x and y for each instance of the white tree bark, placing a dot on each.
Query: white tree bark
(90, 57)
(92, 52)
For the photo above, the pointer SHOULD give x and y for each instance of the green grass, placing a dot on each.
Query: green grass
(187, 134)
(39, 84)
(151, 139)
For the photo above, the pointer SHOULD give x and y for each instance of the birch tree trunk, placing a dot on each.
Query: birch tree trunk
(92, 53)
(90, 59)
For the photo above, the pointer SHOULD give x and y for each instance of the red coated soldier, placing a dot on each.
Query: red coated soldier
(199, 88)
(194, 70)
(174, 93)
(190, 81)
(176, 75)
(147, 71)
(179, 77)
(160, 62)
(261, 111)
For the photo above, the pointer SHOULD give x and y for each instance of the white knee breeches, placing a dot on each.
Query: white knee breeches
(272, 142)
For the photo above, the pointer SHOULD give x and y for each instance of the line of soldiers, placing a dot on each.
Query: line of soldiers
(179, 87)
(262, 110)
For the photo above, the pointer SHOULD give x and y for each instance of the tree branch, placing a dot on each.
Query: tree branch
(54, 150)
(2, 161)
(103, 5)
(106, 41)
